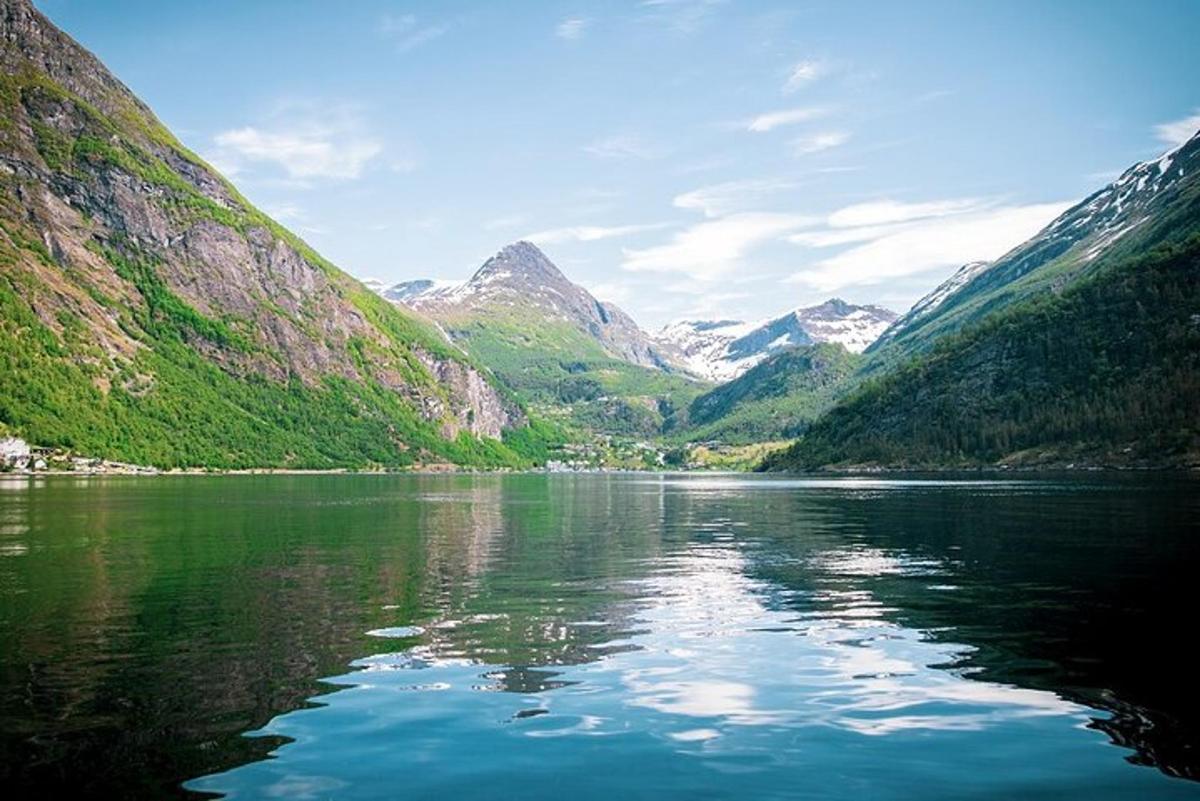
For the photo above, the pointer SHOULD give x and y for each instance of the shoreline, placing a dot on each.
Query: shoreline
(819, 473)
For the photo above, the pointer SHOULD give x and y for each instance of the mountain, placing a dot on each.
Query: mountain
(150, 314)
(423, 288)
(721, 350)
(1149, 203)
(1080, 346)
(774, 400)
(555, 344)
(521, 277)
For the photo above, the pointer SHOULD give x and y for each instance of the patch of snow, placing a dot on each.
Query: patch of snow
(721, 350)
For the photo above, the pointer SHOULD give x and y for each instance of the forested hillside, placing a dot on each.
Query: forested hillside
(1107, 372)
(775, 400)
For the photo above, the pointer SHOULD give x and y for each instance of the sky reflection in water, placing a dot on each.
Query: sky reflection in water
(733, 659)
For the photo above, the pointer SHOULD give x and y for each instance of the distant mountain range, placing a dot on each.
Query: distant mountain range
(520, 275)
(150, 314)
(555, 344)
(721, 350)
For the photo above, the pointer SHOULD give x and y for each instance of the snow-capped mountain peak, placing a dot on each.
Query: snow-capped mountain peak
(721, 350)
(520, 280)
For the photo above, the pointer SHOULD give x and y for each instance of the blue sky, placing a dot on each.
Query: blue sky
(683, 158)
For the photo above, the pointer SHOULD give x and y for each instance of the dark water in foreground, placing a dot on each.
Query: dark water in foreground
(606, 637)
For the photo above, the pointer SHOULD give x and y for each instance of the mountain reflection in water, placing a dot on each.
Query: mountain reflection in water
(534, 636)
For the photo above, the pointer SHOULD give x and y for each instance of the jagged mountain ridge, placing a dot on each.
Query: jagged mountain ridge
(152, 314)
(722, 350)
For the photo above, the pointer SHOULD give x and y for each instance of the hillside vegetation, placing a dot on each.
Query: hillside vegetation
(1108, 372)
(149, 313)
(776, 399)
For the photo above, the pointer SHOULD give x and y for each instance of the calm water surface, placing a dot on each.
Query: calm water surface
(580, 637)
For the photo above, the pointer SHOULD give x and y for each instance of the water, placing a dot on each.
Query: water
(549, 637)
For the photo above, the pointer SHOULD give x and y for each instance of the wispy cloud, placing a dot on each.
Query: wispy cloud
(777, 119)
(336, 147)
(713, 248)
(733, 196)
(882, 212)
(815, 143)
(572, 28)
(589, 233)
(408, 32)
(622, 147)
(802, 73)
(865, 222)
(935, 241)
(1177, 132)
(682, 17)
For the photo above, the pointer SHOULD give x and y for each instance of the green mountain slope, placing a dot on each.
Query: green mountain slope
(1152, 202)
(1107, 372)
(774, 400)
(149, 313)
(1080, 345)
(571, 357)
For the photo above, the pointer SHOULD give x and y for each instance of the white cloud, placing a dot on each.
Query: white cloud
(932, 243)
(721, 199)
(393, 25)
(775, 119)
(571, 28)
(621, 147)
(589, 233)
(684, 17)
(815, 143)
(407, 32)
(713, 248)
(1174, 134)
(308, 150)
(882, 212)
(829, 237)
(803, 73)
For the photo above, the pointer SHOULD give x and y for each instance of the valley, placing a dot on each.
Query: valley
(153, 316)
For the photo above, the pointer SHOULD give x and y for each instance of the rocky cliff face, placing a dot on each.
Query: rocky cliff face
(120, 243)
